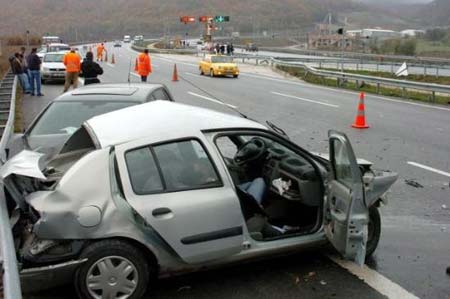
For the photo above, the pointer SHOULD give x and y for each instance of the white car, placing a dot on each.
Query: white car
(52, 67)
(54, 47)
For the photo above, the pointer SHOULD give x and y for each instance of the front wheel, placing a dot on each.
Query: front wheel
(201, 71)
(235, 76)
(114, 269)
(374, 231)
(211, 73)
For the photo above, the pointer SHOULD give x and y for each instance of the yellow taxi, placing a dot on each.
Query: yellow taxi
(219, 65)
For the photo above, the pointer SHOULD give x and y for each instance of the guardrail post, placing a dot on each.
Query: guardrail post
(320, 64)
(357, 84)
(257, 61)
(378, 88)
(437, 71)
(378, 67)
(403, 92)
(433, 97)
(392, 67)
(424, 70)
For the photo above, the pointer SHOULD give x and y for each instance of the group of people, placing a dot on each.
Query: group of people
(28, 71)
(28, 68)
(222, 49)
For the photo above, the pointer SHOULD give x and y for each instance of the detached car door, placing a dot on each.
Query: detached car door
(178, 189)
(346, 215)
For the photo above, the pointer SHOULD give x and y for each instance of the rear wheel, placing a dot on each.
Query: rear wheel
(374, 231)
(235, 76)
(201, 71)
(114, 269)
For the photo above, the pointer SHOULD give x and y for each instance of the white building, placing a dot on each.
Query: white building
(380, 34)
(412, 33)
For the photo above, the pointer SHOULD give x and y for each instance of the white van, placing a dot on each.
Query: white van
(127, 39)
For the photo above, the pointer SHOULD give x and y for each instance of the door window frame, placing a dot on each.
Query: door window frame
(151, 146)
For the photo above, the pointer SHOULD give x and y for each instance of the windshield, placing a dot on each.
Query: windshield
(58, 48)
(67, 117)
(54, 58)
(221, 59)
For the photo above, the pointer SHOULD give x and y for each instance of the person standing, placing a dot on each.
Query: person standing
(17, 69)
(26, 70)
(72, 61)
(100, 49)
(90, 70)
(144, 65)
(34, 66)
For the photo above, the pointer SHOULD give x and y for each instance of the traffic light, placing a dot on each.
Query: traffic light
(204, 19)
(221, 19)
(187, 19)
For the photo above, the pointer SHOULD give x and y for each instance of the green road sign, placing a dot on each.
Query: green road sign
(221, 19)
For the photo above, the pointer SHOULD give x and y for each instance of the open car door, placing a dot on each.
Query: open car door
(346, 215)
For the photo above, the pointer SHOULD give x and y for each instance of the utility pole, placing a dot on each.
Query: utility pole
(28, 38)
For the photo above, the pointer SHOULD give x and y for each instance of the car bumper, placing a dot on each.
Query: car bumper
(227, 73)
(42, 278)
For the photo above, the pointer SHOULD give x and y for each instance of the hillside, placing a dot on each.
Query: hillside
(107, 18)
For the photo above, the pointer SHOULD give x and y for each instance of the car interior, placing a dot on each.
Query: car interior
(280, 191)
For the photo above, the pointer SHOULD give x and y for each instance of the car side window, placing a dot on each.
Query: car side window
(186, 165)
(160, 94)
(168, 167)
(143, 171)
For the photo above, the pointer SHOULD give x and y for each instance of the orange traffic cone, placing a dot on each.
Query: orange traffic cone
(113, 60)
(360, 120)
(136, 65)
(175, 73)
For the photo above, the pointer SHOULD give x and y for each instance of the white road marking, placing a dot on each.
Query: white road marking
(287, 81)
(210, 99)
(305, 100)
(441, 172)
(110, 64)
(375, 280)
(134, 74)
(197, 75)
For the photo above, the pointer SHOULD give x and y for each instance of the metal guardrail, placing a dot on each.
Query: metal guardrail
(8, 259)
(297, 63)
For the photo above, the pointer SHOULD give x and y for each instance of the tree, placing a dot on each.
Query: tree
(436, 34)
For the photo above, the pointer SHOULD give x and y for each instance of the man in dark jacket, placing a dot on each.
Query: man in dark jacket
(17, 69)
(90, 69)
(34, 66)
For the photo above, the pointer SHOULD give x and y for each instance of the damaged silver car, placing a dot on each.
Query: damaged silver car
(177, 188)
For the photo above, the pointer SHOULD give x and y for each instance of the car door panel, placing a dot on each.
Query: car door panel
(200, 224)
(346, 215)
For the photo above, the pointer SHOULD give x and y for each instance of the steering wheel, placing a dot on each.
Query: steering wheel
(250, 151)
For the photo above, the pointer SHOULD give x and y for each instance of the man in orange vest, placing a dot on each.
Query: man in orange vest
(143, 65)
(72, 61)
(100, 49)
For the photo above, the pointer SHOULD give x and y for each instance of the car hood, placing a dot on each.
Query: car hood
(54, 65)
(224, 64)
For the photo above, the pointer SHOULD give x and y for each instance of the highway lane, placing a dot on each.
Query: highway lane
(414, 247)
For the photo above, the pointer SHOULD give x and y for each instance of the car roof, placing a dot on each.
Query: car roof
(133, 92)
(57, 44)
(59, 52)
(157, 119)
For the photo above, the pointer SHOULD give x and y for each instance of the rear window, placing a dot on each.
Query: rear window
(66, 117)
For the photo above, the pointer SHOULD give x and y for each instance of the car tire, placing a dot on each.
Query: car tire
(43, 81)
(235, 76)
(211, 73)
(374, 231)
(201, 71)
(110, 255)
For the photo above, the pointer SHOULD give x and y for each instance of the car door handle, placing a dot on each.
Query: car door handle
(161, 211)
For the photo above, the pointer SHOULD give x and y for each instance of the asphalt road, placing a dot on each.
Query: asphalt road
(406, 137)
